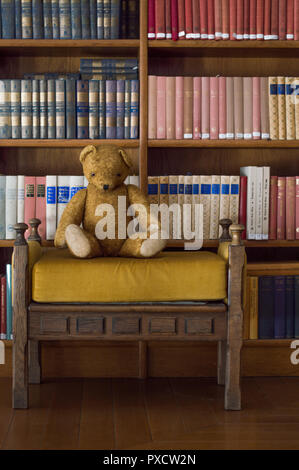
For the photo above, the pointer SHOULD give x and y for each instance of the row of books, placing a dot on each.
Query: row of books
(272, 309)
(45, 197)
(69, 109)
(6, 304)
(267, 206)
(109, 69)
(69, 19)
(223, 19)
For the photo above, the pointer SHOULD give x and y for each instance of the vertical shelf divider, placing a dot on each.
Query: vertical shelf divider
(143, 80)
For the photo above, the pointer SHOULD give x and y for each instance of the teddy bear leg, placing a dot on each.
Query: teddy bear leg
(82, 244)
(142, 248)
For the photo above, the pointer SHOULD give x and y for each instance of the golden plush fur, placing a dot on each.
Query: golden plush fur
(105, 168)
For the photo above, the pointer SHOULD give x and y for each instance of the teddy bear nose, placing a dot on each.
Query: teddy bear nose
(106, 186)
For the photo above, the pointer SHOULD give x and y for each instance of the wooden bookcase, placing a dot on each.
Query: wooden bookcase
(158, 157)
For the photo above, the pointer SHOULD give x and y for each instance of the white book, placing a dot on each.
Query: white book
(195, 196)
(205, 200)
(2, 206)
(250, 172)
(234, 197)
(21, 199)
(76, 184)
(134, 179)
(85, 182)
(181, 196)
(266, 201)
(173, 182)
(259, 204)
(215, 206)
(224, 199)
(11, 206)
(187, 209)
(51, 184)
(63, 194)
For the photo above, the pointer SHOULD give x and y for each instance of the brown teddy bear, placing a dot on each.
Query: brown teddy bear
(106, 168)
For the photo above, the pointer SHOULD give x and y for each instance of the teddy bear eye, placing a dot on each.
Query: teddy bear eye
(92, 174)
(118, 174)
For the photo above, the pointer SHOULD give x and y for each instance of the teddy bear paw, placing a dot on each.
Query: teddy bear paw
(151, 246)
(77, 242)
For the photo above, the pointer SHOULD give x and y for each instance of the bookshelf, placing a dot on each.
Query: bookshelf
(157, 157)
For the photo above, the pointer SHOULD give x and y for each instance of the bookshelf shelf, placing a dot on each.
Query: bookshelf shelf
(247, 243)
(203, 44)
(67, 143)
(238, 144)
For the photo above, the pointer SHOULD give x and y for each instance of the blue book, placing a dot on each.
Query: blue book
(26, 19)
(5, 113)
(134, 110)
(82, 109)
(15, 108)
(153, 188)
(93, 100)
(65, 19)
(37, 19)
(43, 109)
(85, 20)
(111, 109)
(8, 302)
(100, 19)
(279, 308)
(35, 110)
(47, 16)
(120, 109)
(51, 109)
(107, 19)
(127, 109)
(266, 296)
(7, 19)
(290, 305)
(70, 85)
(60, 108)
(18, 20)
(102, 109)
(76, 19)
(93, 19)
(130, 64)
(115, 16)
(26, 109)
(55, 19)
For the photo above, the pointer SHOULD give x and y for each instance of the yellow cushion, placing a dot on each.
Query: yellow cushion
(172, 276)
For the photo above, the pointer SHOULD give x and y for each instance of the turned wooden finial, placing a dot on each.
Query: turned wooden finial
(236, 230)
(225, 224)
(20, 229)
(34, 235)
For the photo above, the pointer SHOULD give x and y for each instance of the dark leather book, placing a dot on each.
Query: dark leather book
(289, 306)
(279, 308)
(266, 307)
(296, 294)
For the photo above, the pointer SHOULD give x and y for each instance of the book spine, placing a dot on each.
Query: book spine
(5, 109)
(2, 206)
(100, 19)
(46, 23)
(240, 20)
(281, 108)
(273, 108)
(134, 109)
(163, 190)
(281, 208)
(115, 13)
(188, 19)
(51, 205)
(179, 107)
(37, 19)
(35, 110)
(15, 107)
(205, 108)
(230, 119)
(160, 19)
(290, 108)
(60, 108)
(170, 107)
(203, 19)
(65, 30)
(43, 105)
(188, 107)
(82, 109)
(238, 108)
(153, 189)
(234, 191)
(152, 107)
(7, 19)
(21, 199)
(273, 209)
(233, 19)
(174, 20)
(127, 124)
(10, 207)
(253, 20)
(181, 20)
(253, 307)
(8, 302)
(196, 107)
(290, 207)
(195, 19)
(266, 201)
(76, 184)
(243, 204)
(63, 195)
(247, 19)
(290, 20)
(224, 200)
(248, 107)
(161, 107)
(205, 200)
(111, 109)
(260, 19)
(259, 204)
(256, 108)
(265, 124)
(218, 19)
(250, 172)
(225, 19)
(214, 108)
(55, 19)
(120, 109)
(282, 19)
(297, 208)
(274, 19)
(93, 102)
(168, 19)
(295, 100)
(289, 306)
(187, 206)
(26, 109)
(18, 20)
(85, 19)
(51, 109)
(29, 204)
(70, 104)
(266, 307)
(267, 20)
(76, 19)
(133, 19)
(3, 306)
(151, 20)
(211, 20)
(279, 307)
(40, 209)
(102, 109)
(215, 207)
(26, 9)
(296, 294)
(173, 199)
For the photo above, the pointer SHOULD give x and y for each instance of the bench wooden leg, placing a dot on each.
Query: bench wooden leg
(142, 360)
(20, 370)
(232, 393)
(221, 362)
(34, 362)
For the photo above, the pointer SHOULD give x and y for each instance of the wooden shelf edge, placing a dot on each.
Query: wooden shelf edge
(224, 143)
(206, 44)
(71, 43)
(67, 143)
(268, 342)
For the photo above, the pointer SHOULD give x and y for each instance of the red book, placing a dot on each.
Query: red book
(205, 107)
(232, 19)
(203, 19)
(282, 19)
(174, 20)
(181, 19)
(40, 205)
(218, 19)
(29, 204)
(222, 108)
(290, 20)
(160, 19)
(273, 208)
(267, 20)
(246, 19)
(151, 34)
(281, 208)
(161, 107)
(260, 19)
(211, 20)
(297, 208)
(188, 19)
(274, 19)
(296, 20)
(290, 207)
(214, 108)
(170, 108)
(179, 107)
(196, 107)
(168, 19)
(243, 204)
(225, 19)
(196, 22)
(3, 306)
(252, 28)
(240, 20)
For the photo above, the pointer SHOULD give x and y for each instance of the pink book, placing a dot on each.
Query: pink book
(233, 19)
(170, 107)
(273, 208)
(297, 208)
(203, 19)
(196, 107)
(29, 203)
(222, 107)
(290, 207)
(179, 107)
(265, 131)
(205, 107)
(281, 208)
(256, 108)
(152, 107)
(230, 120)
(151, 20)
(40, 205)
(211, 20)
(238, 108)
(161, 107)
(247, 107)
(214, 108)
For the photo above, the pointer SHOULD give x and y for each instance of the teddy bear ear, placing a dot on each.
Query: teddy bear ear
(89, 150)
(125, 158)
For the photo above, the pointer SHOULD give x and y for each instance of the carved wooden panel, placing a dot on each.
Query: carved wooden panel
(199, 326)
(126, 325)
(89, 326)
(163, 325)
(53, 324)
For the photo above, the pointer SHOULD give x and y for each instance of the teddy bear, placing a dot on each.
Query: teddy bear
(106, 169)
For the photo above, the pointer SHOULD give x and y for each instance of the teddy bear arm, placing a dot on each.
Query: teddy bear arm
(135, 196)
(72, 214)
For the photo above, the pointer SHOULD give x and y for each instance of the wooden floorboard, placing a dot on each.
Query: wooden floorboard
(153, 414)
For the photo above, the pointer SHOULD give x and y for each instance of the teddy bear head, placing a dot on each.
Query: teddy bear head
(106, 167)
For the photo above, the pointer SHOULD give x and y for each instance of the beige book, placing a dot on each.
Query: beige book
(248, 107)
(188, 107)
(153, 189)
(173, 199)
(163, 190)
(290, 109)
(187, 212)
(181, 196)
(273, 108)
(234, 198)
(297, 109)
(281, 108)
(195, 197)
(224, 199)
(205, 200)
(265, 131)
(238, 108)
(215, 205)
(170, 107)
(152, 107)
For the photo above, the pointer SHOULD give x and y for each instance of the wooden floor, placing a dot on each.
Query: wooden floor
(155, 414)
